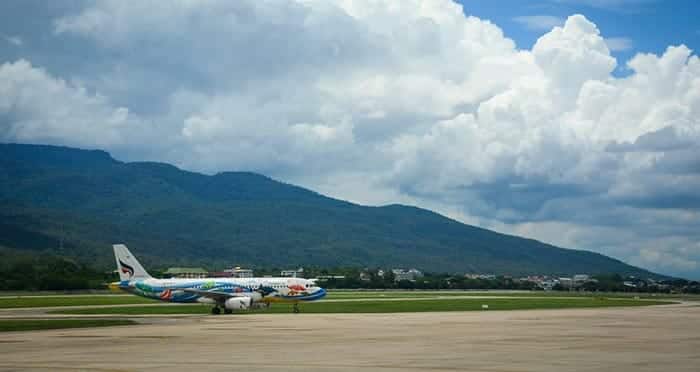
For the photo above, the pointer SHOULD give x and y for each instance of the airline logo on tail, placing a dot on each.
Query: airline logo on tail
(126, 269)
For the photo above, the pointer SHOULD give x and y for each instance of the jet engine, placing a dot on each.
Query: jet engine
(237, 303)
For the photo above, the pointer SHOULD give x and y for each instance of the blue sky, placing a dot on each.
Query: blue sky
(501, 121)
(650, 25)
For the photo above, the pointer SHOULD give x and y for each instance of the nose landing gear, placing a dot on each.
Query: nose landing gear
(296, 308)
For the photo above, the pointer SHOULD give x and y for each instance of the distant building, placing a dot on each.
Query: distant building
(365, 276)
(566, 282)
(330, 277)
(410, 274)
(581, 278)
(480, 276)
(186, 272)
(235, 272)
(547, 284)
(630, 284)
(298, 273)
(238, 272)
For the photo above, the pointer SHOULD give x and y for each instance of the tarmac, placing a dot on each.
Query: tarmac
(654, 338)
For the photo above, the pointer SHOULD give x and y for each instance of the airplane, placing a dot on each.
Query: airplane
(227, 294)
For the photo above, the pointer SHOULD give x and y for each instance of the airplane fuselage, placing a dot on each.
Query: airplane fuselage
(227, 294)
(260, 290)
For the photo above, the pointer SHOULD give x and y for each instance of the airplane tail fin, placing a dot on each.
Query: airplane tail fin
(128, 266)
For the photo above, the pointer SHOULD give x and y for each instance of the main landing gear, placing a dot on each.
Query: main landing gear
(296, 308)
(217, 310)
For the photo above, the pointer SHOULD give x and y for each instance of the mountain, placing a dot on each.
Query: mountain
(77, 203)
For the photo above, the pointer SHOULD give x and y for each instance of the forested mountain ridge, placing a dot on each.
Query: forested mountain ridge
(78, 202)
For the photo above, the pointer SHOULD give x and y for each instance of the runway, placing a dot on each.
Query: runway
(612, 339)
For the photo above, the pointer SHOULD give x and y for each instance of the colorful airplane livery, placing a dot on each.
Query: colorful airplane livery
(227, 294)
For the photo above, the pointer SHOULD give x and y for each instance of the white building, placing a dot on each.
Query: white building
(330, 277)
(365, 276)
(298, 273)
(480, 276)
(186, 272)
(566, 282)
(547, 284)
(410, 274)
(238, 272)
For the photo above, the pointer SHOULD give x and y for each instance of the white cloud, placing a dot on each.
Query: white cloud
(42, 108)
(540, 22)
(619, 44)
(670, 254)
(380, 102)
(14, 40)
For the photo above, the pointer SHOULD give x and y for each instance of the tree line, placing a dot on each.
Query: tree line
(47, 272)
(20, 271)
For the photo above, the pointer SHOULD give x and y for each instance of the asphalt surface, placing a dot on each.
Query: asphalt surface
(655, 338)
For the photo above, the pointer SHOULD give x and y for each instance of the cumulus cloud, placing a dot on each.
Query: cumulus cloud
(619, 44)
(540, 22)
(382, 102)
(14, 40)
(41, 108)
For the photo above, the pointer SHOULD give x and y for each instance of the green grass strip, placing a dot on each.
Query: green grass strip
(78, 300)
(418, 293)
(90, 300)
(14, 325)
(387, 306)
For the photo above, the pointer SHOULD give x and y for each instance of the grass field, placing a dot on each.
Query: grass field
(77, 300)
(388, 306)
(342, 294)
(111, 299)
(14, 325)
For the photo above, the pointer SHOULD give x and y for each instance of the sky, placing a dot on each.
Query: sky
(574, 122)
